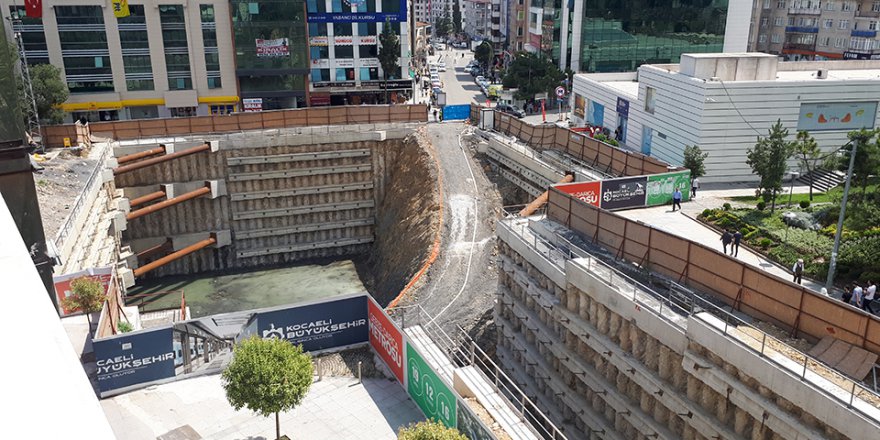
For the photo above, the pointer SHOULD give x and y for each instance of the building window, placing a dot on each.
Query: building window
(780, 4)
(764, 22)
(779, 21)
(844, 24)
(368, 51)
(177, 60)
(791, 21)
(829, 23)
(32, 36)
(84, 48)
(829, 5)
(840, 42)
(344, 74)
(212, 54)
(823, 41)
(183, 112)
(845, 6)
(369, 73)
(136, 49)
(315, 6)
(344, 51)
(319, 52)
(875, 7)
(320, 75)
(222, 109)
(366, 29)
(776, 38)
(766, 4)
(649, 100)
(872, 26)
(762, 38)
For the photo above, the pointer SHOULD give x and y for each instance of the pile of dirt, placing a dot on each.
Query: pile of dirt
(62, 179)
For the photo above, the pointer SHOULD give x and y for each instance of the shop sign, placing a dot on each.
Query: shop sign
(369, 62)
(272, 48)
(367, 39)
(252, 104)
(622, 107)
(318, 41)
(322, 63)
(344, 40)
(345, 62)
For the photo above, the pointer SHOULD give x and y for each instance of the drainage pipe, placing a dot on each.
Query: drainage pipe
(140, 155)
(542, 199)
(166, 203)
(176, 255)
(164, 158)
(146, 198)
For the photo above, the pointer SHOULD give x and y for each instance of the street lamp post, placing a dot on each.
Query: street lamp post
(794, 175)
(833, 264)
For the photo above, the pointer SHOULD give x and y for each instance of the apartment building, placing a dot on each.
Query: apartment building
(517, 25)
(422, 11)
(476, 18)
(816, 30)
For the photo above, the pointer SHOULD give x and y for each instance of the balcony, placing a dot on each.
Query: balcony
(804, 11)
(810, 47)
(864, 34)
(802, 29)
(867, 14)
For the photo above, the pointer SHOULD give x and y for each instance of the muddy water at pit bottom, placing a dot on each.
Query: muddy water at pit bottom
(209, 294)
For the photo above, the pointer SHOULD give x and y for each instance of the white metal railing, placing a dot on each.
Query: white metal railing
(92, 183)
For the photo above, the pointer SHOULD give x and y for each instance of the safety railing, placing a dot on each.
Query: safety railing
(680, 302)
(466, 352)
(93, 181)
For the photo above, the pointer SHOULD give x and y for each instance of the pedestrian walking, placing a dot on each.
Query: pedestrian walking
(847, 294)
(798, 270)
(870, 291)
(695, 185)
(737, 237)
(435, 115)
(676, 199)
(726, 238)
(857, 296)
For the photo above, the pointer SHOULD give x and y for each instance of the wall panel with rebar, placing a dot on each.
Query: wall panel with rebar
(759, 294)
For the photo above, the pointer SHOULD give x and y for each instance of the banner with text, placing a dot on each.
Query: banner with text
(631, 192)
(386, 339)
(134, 359)
(318, 326)
(277, 47)
(584, 191)
(661, 187)
(428, 391)
(627, 192)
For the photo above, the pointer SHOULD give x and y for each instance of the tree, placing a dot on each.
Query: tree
(867, 156)
(456, 17)
(389, 53)
(807, 150)
(87, 295)
(768, 160)
(267, 376)
(483, 54)
(49, 90)
(693, 160)
(531, 74)
(429, 430)
(443, 26)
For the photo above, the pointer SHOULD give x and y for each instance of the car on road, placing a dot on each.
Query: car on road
(511, 110)
(479, 79)
(442, 67)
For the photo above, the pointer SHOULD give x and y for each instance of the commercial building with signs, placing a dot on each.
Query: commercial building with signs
(161, 60)
(816, 30)
(617, 36)
(344, 49)
(723, 102)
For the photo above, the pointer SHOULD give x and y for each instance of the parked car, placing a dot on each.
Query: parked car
(479, 79)
(511, 110)
(442, 67)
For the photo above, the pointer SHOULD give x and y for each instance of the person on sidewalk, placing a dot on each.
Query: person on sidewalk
(858, 296)
(695, 185)
(435, 115)
(734, 249)
(847, 294)
(676, 199)
(726, 238)
(870, 291)
(798, 270)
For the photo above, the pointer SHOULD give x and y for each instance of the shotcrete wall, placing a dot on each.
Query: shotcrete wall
(610, 369)
(290, 195)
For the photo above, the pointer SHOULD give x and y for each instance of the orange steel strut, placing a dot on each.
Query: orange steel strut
(166, 203)
(164, 158)
(175, 256)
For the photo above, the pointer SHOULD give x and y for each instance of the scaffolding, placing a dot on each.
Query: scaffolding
(34, 133)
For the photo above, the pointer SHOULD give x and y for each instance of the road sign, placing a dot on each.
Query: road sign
(560, 91)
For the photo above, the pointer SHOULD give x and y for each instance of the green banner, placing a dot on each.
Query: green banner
(661, 187)
(428, 391)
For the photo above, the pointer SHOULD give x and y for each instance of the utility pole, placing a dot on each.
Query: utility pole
(32, 116)
(829, 283)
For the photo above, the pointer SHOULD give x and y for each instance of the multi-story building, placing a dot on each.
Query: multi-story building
(476, 18)
(600, 36)
(814, 30)
(344, 49)
(517, 25)
(167, 59)
(421, 11)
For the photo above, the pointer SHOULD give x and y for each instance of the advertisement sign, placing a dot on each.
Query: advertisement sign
(580, 105)
(661, 187)
(62, 282)
(368, 62)
(318, 326)
(345, 40)
(428, 391)
(367, 39)
(860, 56)
(596, 114)
(345, 62)
(318, 41)
(628, 192)
(386, 339)
(252, 104)
(837, 116)
(584, 191)
(272, 48)
(321, 63)
(134, 359)
(622, 107)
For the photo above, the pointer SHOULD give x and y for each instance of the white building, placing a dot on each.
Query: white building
(722, 102)
(476, 18)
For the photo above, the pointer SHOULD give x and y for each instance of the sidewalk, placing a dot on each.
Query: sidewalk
(683, 224)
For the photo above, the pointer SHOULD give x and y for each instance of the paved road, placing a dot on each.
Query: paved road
(460, 286)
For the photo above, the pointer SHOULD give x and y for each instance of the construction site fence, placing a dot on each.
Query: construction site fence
(111, 313)
(54, 135)
(606, 157)
(751, 290)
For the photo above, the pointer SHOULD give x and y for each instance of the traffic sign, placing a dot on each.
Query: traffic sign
(560, 91)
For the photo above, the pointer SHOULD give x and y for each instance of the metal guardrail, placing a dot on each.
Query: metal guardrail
(686, 303)
(90, 185)
(466, 352)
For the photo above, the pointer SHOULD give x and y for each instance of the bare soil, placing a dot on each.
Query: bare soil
(484, 415)
(60, 182)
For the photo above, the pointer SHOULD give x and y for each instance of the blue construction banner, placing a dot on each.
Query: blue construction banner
(135, 358)
(319, 326)
(456, 112)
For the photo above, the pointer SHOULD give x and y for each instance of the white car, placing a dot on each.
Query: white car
(442, 67)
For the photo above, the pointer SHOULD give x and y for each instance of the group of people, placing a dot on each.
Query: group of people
(731, 239)
(861, 296)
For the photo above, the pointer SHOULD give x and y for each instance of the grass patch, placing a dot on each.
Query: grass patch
(833, 194)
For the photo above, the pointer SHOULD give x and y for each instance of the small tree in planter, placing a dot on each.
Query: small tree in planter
(429, 430)
(267, 376)
(87, 295)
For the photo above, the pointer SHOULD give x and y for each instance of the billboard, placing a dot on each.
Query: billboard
(62, 283)
(277, 47)
(627, 192)
(583, 191)
(252, 104)
(318, 326)
(134, 359)
(386, 339)
(661, 187)
(828, 116)
(428, 391)
(580, 104)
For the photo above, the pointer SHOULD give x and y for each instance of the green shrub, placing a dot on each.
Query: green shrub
(706, 212)
(124, 327)
(724, 222)
(726, 206)
(751, 234)
(761, 206)
(429, 430)
(805, 204)
(765, 243)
